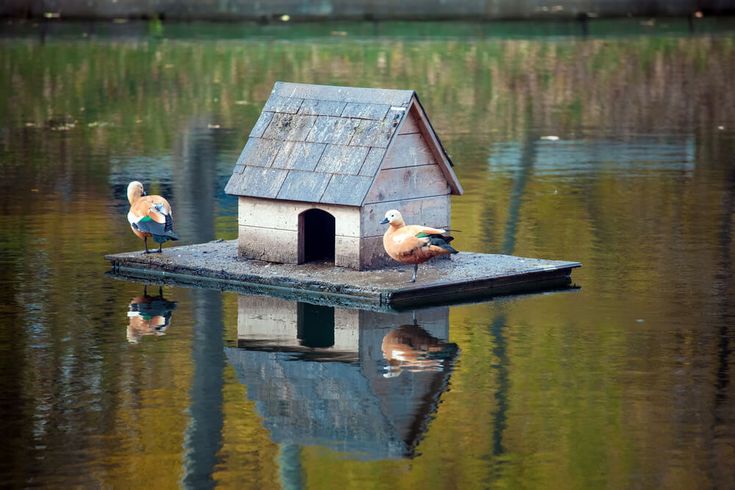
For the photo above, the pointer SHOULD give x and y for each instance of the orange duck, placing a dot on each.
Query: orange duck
(414, 244)
(150, 216)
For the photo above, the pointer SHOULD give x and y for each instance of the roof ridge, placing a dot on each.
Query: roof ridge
(341, 123)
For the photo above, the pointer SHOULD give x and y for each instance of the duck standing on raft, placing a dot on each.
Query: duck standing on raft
(150, 216)
(413, 244)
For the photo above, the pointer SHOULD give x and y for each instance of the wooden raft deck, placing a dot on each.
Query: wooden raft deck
(466, 277)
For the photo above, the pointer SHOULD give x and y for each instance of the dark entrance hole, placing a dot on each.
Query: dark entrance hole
(316, 236)
(315, 325)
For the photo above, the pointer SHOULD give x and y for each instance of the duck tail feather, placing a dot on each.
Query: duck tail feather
(442, 241)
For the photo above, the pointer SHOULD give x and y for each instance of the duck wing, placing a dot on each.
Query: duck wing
(152, 214)
(434, 237)
(426, 230)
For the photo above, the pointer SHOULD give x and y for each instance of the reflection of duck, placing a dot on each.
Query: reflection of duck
(412, 348)
(148, 315)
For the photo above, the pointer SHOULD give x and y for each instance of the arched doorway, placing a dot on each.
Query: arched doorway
(316, 236)
(315, 325)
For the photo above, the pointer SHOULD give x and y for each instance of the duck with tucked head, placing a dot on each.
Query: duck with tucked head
(150, 216)
(414, 244)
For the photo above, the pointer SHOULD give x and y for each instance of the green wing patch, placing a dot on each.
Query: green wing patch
(145, 219)
(422, 235)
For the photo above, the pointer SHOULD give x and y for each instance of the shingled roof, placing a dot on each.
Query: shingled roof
(323, 144)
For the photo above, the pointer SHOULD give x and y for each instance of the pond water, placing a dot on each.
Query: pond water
(623, 382)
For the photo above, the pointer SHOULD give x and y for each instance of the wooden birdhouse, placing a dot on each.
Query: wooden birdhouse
(323, 164)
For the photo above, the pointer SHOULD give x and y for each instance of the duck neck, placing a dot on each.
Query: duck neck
(133, 196)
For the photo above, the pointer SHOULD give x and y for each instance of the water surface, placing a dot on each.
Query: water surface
(626, 382)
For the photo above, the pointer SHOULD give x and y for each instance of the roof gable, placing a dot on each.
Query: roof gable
(325, 144)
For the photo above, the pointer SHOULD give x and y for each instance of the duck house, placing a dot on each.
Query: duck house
(323, 164)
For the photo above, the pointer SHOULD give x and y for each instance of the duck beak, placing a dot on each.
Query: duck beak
(384, 222)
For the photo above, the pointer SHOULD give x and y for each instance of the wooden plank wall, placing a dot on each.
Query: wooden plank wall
(409, 180)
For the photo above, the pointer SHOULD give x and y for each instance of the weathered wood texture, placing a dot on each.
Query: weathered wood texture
(258, 152)
(260, 182)
(341, 159)
(287, 105)
(440, 154)
(302, 186)
(346, 189)
(269, 230)
(466, 276)
(322, 107)
(409, 125)
(308, 134)
(366, 110)
(333, 130)
(299, 156)
(373, 133)
(431, 211)
(289, 127)
(371, 165)
(372, 254)
(284, 215)
(394, 184)
(408, 150)
(268, 244)
(342, 94)
(347, 252)
(261, 124)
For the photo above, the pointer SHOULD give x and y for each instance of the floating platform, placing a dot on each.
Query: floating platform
(465, 277)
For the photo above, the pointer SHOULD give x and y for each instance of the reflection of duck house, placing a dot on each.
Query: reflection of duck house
(323, 164)
(319, 377)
